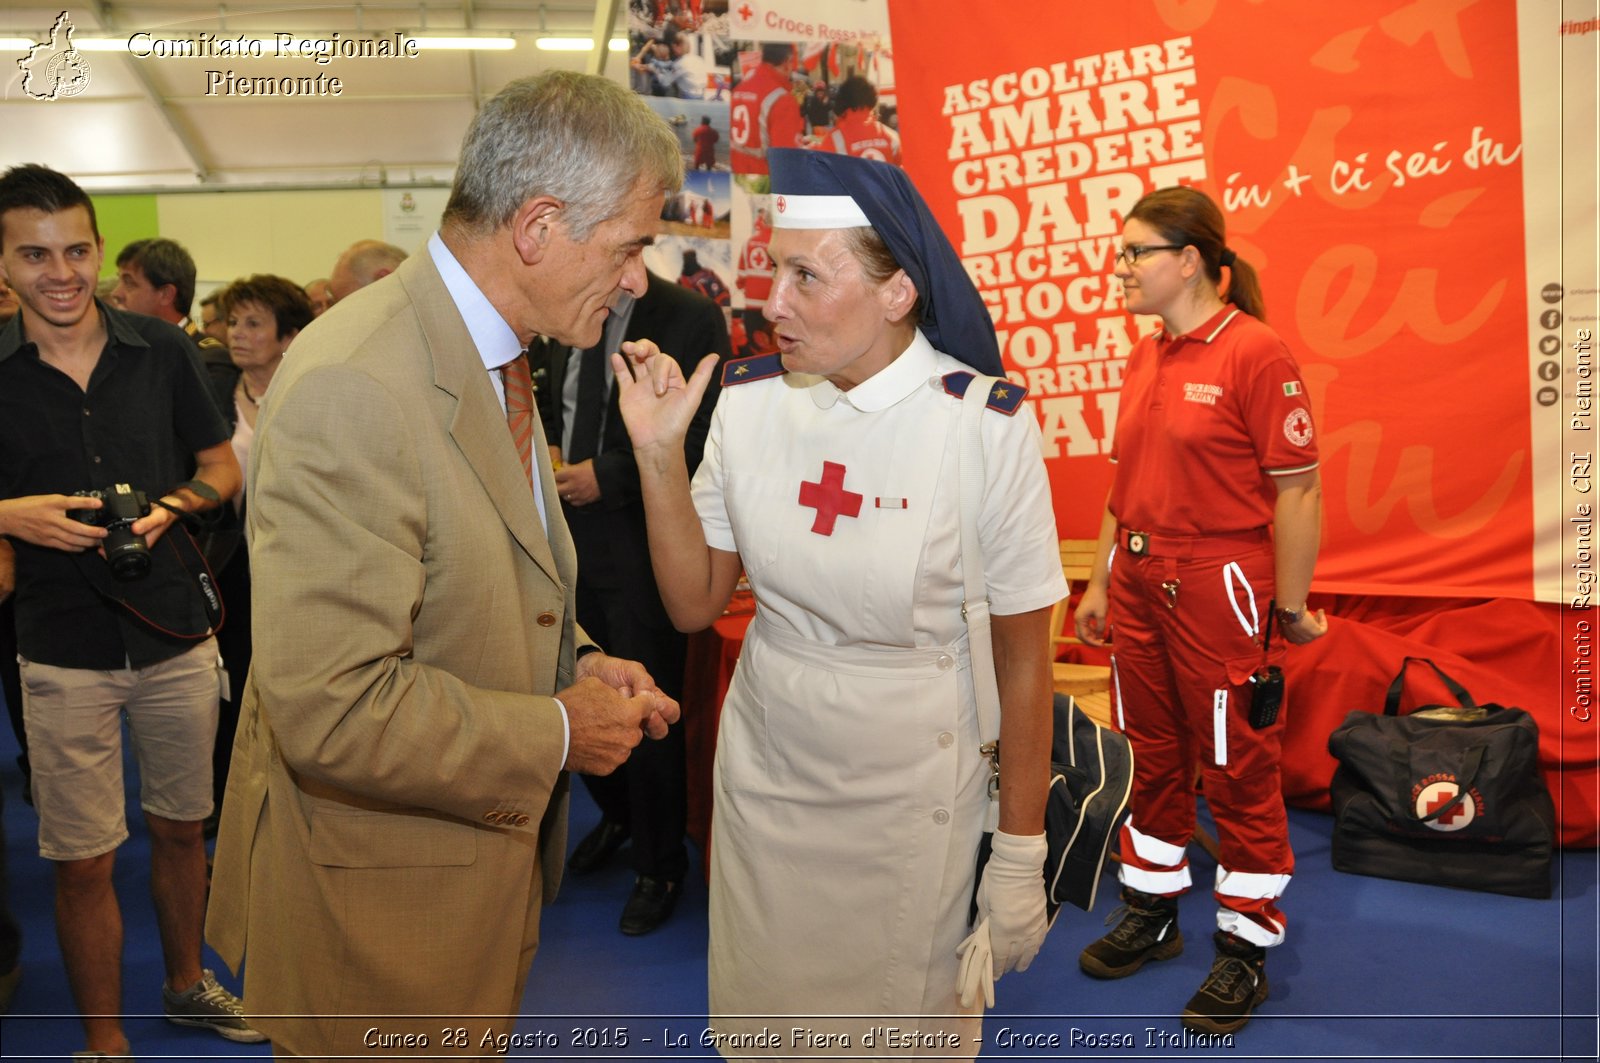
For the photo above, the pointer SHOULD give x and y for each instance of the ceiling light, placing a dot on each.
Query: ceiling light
(120, 44)
(577, 44)
(100, 44)
(488, 44)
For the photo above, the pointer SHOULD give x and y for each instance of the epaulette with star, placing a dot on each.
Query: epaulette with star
(744, 370)
(1004, 396)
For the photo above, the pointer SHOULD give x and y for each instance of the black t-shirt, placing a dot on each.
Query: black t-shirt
(147, 412)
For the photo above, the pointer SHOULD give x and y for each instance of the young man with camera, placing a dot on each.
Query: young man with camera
(96, 400)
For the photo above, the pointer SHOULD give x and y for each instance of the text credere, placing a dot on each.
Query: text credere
(1045, 162)
(244, 47)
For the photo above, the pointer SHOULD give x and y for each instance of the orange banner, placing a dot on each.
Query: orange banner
(1369, 160)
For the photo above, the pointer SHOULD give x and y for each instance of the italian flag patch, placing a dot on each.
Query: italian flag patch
(1292, 388)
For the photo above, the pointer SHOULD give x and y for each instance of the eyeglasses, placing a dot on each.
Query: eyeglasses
(1134, 252)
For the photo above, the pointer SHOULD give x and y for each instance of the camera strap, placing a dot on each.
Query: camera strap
(194, 566)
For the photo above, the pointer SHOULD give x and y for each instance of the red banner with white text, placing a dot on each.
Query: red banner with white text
(1370, 160)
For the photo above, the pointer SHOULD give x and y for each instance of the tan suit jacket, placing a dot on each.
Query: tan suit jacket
(396, 809)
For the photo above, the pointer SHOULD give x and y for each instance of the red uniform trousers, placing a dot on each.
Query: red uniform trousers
(1183, 661)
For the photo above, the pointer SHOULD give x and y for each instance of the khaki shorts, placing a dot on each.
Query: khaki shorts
(74, 724)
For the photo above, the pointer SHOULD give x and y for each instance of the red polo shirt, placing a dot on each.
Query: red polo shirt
(861, 135)
(762, 115)
(1206, 419)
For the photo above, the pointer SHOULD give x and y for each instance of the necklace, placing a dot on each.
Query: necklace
(245, 389)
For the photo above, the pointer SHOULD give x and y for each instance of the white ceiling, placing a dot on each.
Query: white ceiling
(149, 123)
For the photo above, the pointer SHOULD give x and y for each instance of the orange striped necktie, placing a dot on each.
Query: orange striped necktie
(519, 408)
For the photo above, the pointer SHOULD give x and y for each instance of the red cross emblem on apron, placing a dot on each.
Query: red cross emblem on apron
(829, 498)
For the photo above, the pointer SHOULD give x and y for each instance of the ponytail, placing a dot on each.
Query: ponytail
(1244, 288)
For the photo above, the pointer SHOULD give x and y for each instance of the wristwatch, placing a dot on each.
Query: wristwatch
(1290, 617)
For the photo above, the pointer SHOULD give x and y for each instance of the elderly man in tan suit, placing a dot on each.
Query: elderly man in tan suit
(396, 811)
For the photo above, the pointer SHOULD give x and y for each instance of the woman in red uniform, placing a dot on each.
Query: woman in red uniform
(1215, 512)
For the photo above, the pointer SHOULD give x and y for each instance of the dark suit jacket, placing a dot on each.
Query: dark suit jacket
(613, 549)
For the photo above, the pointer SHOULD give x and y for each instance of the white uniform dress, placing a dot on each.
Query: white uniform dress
(849, 791)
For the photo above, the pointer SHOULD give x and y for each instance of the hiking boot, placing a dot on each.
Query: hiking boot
(1148, 931)
(1236, 984)
(211, 1007)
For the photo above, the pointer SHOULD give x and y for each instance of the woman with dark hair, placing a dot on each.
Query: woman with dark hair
(859, 132)
(1214, 514)
(264, 313)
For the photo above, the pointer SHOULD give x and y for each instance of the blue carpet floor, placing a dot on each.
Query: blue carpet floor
(1372, 970)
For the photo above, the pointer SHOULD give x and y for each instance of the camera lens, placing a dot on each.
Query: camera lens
(126, 553)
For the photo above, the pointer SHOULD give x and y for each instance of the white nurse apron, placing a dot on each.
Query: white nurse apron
(849, 791)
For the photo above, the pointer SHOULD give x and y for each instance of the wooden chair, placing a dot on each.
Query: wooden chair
(1089, 684)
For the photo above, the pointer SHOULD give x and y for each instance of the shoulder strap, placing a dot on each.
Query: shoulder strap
(975, 605)
(94, 570)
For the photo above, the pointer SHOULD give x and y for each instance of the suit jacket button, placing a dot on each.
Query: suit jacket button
(489, 817)
(547, 619)
(521, 821)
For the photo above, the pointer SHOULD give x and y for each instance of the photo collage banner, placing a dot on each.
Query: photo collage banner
(732, 79)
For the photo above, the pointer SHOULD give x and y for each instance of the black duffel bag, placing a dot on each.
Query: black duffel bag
(1447, 795)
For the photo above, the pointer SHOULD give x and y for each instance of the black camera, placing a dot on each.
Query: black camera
(127, 554)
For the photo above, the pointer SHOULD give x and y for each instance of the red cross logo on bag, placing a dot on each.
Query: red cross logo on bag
(1437, 792)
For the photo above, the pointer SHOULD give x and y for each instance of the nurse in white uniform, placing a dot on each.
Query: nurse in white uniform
(850, 794)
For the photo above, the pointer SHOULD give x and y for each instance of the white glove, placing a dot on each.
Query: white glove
(977, 967)
(1011, 900)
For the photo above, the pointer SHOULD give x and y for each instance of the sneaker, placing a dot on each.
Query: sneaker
(1236, 984)
(1148, 931)
(208, 1005)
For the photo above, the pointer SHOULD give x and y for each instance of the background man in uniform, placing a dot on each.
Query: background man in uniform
(157, 277)
(763, 112)
(755, 280)
(705, 144)
(645, 799)
(211, 320)
(396, 811)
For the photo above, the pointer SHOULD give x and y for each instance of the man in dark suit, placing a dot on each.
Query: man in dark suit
(617, 602)
(157, 277)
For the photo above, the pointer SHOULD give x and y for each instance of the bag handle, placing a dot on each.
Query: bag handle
(1471, 762)
(1391, 703)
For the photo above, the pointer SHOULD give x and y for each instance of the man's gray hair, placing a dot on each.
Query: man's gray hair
(582, 139)
(366, 257)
